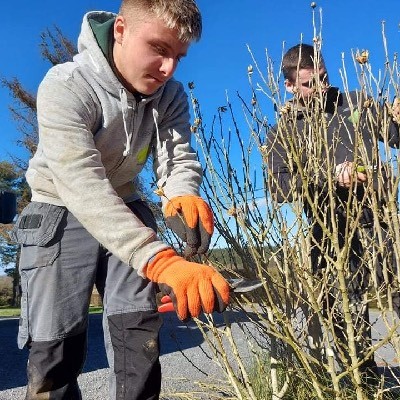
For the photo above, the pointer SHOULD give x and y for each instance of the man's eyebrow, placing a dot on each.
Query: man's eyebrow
(167, 45)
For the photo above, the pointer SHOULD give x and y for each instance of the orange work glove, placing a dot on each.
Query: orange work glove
(191, 218)
(192, 287)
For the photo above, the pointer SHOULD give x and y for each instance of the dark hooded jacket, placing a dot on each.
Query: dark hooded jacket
(307, 143)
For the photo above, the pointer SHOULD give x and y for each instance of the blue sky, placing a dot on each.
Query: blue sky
(218, 63)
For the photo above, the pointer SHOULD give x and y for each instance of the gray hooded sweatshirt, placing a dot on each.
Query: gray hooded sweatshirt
(94, 139)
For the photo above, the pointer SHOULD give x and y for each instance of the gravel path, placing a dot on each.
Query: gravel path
(186, 360)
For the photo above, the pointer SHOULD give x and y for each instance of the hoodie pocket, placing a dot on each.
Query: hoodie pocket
(38, 230)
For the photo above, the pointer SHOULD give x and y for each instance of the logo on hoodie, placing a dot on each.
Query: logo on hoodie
(142, 155)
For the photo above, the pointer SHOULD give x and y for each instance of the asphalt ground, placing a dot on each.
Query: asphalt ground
(188, 364)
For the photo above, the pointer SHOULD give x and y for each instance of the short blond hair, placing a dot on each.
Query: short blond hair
(182, 15)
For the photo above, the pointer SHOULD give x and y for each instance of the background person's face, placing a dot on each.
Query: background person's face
(146, 53)
(307, 82)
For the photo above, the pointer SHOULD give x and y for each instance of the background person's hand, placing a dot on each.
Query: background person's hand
(193, 287)
(191, 218)
(345, 175)
(396, 110)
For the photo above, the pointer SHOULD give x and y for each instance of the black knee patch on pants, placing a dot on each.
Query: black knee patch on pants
(54, 366)
(135, 342)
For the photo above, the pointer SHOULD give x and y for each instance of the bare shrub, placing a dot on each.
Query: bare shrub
(307, 331)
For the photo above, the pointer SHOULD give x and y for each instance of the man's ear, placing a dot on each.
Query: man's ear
(289, 86)
(119, 28)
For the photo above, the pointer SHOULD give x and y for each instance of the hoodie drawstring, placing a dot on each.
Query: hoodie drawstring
(125, 114)
(155, 118)
(125, 107)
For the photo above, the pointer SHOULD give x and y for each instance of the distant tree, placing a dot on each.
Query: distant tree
(11, 179)
(55, 48)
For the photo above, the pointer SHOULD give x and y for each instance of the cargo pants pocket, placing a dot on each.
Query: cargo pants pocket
(38, 230)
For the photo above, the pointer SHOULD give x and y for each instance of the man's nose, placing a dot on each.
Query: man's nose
(168, 67)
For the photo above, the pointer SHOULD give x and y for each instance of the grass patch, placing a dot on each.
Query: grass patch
(9, 311)
(15, 311)
(95, 310)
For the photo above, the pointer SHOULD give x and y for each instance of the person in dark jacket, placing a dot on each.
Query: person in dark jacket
(324, 152)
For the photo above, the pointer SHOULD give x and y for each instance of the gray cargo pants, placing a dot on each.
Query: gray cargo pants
(59, 265)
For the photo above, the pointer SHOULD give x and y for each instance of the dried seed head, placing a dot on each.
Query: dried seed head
(253, 101)
(191, 85)
(362, 57)
(250, 69)
(197, 122)
(313, 4)
(193, 128)
(264, 149)
(368, 103)
(232, 212)
(285, 109)
(159, 192)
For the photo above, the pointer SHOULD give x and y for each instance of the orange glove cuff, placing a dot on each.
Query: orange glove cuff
(158, 263)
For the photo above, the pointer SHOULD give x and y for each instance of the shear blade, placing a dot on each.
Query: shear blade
(242, 285)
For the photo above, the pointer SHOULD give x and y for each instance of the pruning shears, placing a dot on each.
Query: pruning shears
(237, 285)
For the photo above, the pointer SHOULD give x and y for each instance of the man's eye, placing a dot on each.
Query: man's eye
(314, 82)
(160, 50)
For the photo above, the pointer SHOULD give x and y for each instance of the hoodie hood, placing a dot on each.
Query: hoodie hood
(91, 55)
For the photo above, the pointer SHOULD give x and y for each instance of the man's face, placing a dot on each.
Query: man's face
(146, 52)
(305, 85)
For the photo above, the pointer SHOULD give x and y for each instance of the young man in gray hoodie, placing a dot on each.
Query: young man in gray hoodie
(100, 116)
